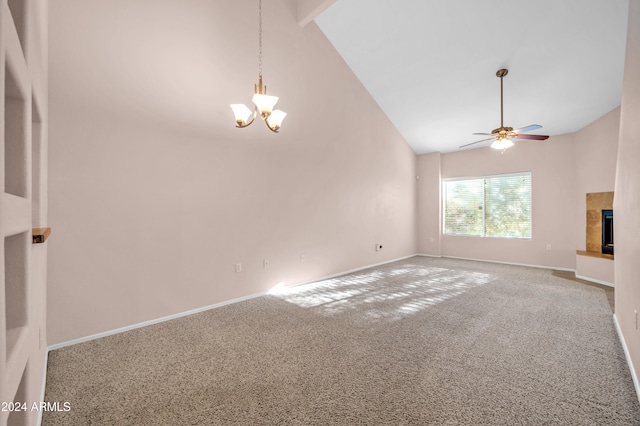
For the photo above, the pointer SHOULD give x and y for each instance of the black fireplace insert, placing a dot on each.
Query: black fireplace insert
(607, 231)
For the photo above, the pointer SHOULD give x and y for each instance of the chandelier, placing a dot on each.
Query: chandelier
(263, 103)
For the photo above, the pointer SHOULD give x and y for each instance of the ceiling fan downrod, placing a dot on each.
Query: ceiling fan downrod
(501, 73)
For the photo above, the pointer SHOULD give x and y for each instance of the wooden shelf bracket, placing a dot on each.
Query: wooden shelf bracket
(40, 235)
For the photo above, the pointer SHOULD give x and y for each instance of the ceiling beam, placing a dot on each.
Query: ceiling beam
(307, 10)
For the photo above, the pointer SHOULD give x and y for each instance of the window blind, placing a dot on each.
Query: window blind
(464, 205)
(491, 206)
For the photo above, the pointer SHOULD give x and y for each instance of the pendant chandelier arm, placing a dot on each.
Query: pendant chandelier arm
(273, 129)
(253, 117)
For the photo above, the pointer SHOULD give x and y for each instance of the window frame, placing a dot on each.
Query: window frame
(484, 228)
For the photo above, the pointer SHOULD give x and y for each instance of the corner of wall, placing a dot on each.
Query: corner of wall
(429, 204)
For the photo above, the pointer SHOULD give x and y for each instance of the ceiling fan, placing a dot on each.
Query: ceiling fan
(502, 135)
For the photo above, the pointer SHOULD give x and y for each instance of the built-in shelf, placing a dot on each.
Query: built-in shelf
(40, 235)
(15, 291)
(16, 338)
(17, 9)
(15, 147)
(15, 214)
(22, 204)
(593, 254)
(20, 417)
(17, 356)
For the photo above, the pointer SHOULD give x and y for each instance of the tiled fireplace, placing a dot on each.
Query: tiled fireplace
(596, 262)
(597, 202)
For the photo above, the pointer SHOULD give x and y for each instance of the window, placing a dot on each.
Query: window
(489, 206)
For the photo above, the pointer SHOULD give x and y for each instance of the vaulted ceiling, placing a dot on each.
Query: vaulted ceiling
(431, 65)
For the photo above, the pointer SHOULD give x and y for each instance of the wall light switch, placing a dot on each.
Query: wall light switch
(548, 247)
(238, 267)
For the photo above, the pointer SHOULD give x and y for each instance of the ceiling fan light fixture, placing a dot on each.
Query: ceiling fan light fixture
(502, 142)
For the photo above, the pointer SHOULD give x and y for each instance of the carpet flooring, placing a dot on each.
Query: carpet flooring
(422, 341)
(608, 290)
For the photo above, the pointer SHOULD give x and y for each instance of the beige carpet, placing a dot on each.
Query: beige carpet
(416, 342)
(609, 291)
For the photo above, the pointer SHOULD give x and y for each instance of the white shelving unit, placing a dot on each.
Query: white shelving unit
(22, 207)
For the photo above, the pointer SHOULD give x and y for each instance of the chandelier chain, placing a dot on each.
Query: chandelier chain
(260, 39)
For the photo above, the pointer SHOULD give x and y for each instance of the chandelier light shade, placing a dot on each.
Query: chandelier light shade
(263, 103)
(274, 121)
(242, 114)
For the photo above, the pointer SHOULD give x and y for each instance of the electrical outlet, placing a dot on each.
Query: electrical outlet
(378, 246)
(303, 258)
(238, 267)
(265, 263)
(548, 247)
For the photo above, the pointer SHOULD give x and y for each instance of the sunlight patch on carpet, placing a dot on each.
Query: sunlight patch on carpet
(384, 293)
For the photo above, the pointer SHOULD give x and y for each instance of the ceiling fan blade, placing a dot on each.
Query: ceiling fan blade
(528, 128)
(534, 137)
(473, 143)
(483, 134)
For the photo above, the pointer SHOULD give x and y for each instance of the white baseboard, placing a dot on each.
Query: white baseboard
(204, 308)
(627, 355)
(150, 322)
(593, 280)
(555, 268)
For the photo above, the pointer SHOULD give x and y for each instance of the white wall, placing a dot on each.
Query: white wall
(626, 202)
(155, 196)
